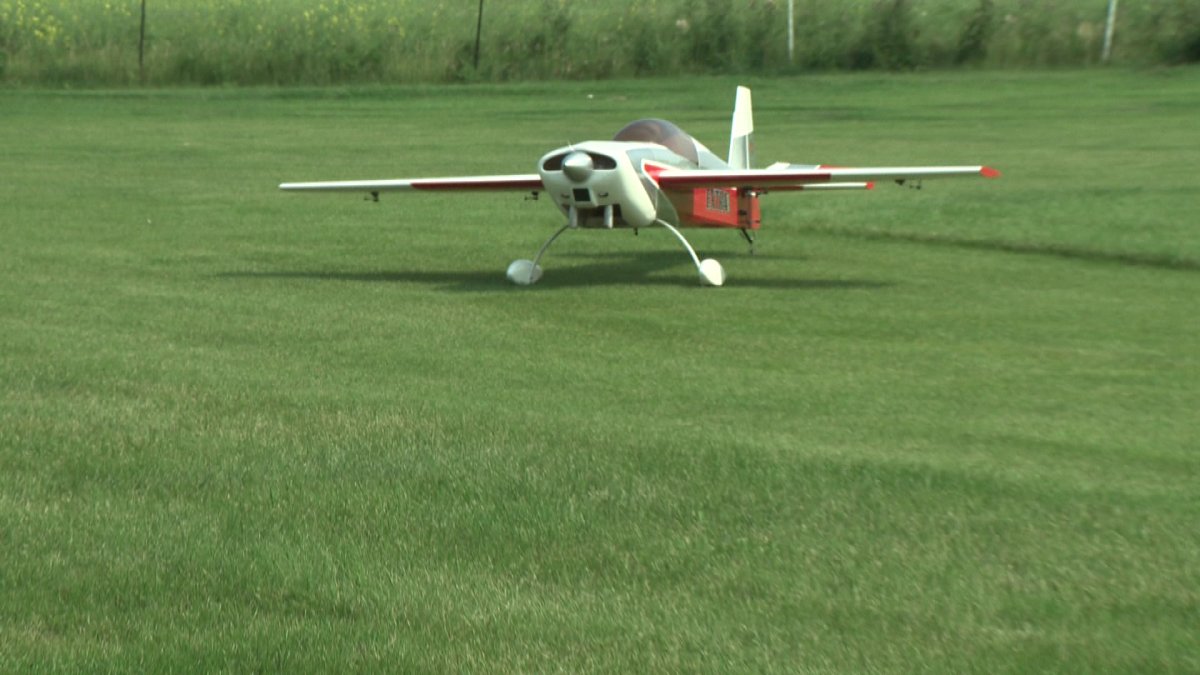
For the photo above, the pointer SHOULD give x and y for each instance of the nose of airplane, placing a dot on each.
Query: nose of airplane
(578, 166)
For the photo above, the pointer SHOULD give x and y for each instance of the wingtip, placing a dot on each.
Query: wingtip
(871, 185)
(989, 172)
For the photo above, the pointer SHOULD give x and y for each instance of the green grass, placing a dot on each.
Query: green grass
(948, 430)
(206, 42)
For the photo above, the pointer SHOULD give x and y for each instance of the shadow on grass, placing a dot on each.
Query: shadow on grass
(1129, 259)
(635, 270)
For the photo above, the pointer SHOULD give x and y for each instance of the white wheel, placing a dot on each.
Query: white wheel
(523, 272)
(711, 273)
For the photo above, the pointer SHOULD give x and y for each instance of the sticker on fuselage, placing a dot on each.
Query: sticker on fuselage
(717, 200)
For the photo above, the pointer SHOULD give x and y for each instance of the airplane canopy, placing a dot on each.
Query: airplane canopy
(663, 133)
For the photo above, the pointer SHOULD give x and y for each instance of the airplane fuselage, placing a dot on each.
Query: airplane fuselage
(611, 184)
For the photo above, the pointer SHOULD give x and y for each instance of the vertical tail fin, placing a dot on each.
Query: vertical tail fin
(741, 137)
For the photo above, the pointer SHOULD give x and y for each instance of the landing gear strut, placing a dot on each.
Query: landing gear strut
(711, 272)
(527, 272)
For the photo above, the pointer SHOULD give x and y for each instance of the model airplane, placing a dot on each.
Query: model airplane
(652, 174)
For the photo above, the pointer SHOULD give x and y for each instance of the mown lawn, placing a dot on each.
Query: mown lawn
(951, 430)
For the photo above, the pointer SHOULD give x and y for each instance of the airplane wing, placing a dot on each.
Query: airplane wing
(528, 182)
(792, 177)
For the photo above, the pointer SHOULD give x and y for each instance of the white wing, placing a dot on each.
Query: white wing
(529, 182)
(797, 176)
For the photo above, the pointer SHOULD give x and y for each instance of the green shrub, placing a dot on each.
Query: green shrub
(973, 41)
(1183, 30)
(888, 40)
(299, 41)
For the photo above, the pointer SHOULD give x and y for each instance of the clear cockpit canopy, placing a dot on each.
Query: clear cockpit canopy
(663, 133)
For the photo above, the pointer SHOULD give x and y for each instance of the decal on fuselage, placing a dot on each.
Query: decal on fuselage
(717, 200)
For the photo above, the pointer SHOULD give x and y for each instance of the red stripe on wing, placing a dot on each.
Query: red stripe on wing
(756, 179)
(468, 184)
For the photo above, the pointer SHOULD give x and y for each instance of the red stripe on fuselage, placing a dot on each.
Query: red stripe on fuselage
(653, 170)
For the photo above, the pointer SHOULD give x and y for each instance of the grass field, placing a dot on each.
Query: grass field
(943, 430)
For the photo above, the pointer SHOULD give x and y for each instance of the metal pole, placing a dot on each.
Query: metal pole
(478, 31)
(791, 31)
(142, 45)
(1109, 25)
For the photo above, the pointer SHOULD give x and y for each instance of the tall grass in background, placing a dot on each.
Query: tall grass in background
(94, 42)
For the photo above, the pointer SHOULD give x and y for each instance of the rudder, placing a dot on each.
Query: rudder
(741, 136)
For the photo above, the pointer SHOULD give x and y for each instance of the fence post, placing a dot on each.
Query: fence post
(478, 30)
(1109, 26)
(142, 46)
(791, 31)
